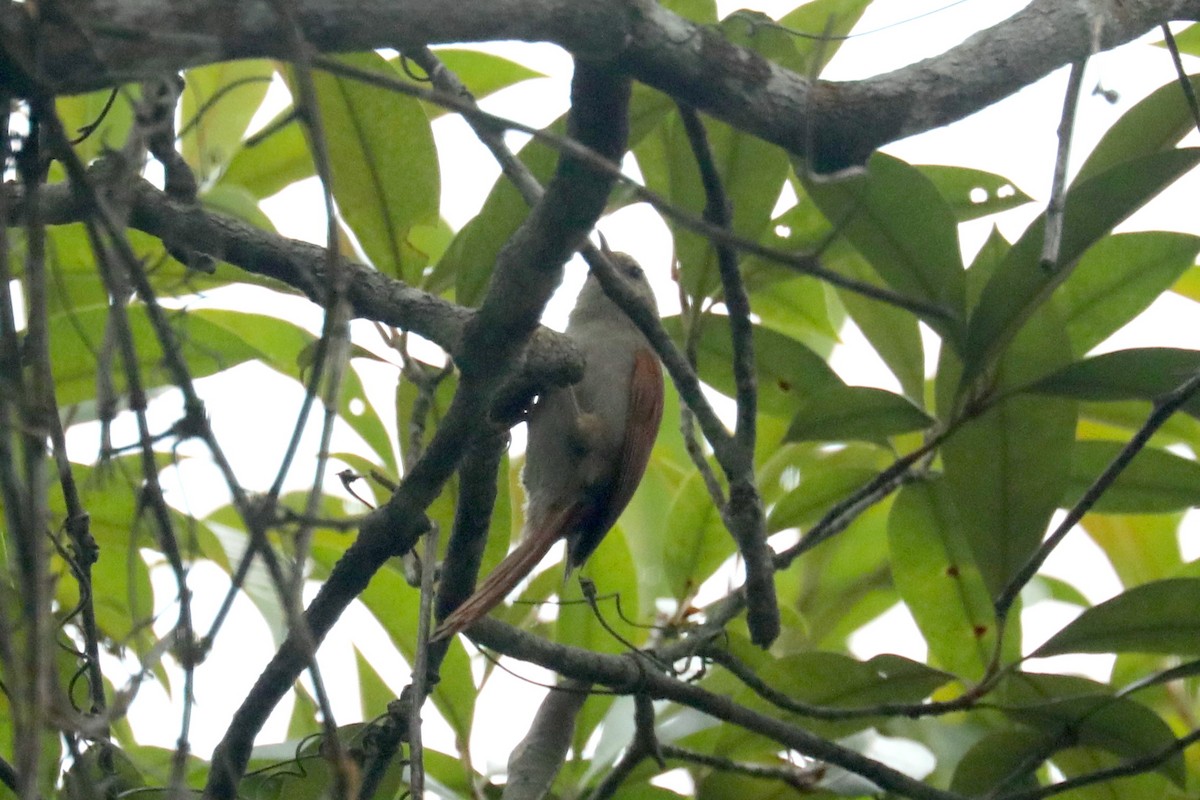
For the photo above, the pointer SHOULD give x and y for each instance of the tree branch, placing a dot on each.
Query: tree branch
(631, 674)
(527, 272)
(834, 124)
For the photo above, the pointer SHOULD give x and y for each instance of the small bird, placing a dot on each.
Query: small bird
(588, 444)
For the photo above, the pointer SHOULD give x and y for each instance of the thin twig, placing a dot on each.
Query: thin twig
(420, 670)
(1058, 189)
(1164, 408)
(1185, 82)
(802, 779)
(804, 264)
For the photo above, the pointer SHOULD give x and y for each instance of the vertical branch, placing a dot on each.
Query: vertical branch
(717, 211)
(31, 678)
(744, 515)
(1056, 208)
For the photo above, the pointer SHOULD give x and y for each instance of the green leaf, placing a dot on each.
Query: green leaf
(893, 332)
(273, 159)
(896, 218)
(1159, 617)
(218, 103)
(814, 480)
(974, 193)
(856, 413)
(838, 681)
(936, 575)
(1135, 374)
(788, 372)
(1022, 284)
(82, 111)
(698, 543)
(467, 263)
(482, 73)
(1005, 758)
(752, 173)
(1155, 482)
(826, 22)
(237, 202)
(1154, 125)
(384, 163)
(210, 341)
(1008, 468)
(1117, 279)
(1141, 549)
(1116, 725)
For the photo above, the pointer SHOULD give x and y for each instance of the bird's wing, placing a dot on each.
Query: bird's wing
(642, 421)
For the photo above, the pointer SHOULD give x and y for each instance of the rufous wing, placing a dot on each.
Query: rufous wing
(641, 429)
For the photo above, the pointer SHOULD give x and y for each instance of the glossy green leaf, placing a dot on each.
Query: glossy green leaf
(815, 482)
(219, 101)
(1008, 468)
(384, 163)
(1116, 725)
(842, 584)
(794, 305)
(237, 202)
(699, 542)
(211, 341)
(896, 218)
(974, 193)
(1005, 758)
(1159, 617)
(395, 604)
(82, 113)
(482, 73)
(856, 413)
(837, 681)
(1022, 284)
(1154, 125)
(1188, 284)
(788, 372)
(272, 159)
(936, 574)
(467, 264)
(1155, 482)
(1141, 549)
(1135, 374)
(893, 332)
(823, 25)
(1117, 279)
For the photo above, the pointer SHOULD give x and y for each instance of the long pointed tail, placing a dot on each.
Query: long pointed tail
(508, 574)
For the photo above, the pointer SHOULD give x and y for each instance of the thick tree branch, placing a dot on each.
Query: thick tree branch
(108, 42)
(549, 359)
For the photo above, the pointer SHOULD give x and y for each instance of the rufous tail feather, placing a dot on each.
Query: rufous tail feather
(515, 566)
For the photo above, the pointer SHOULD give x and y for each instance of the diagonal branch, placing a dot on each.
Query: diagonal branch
(527, 272)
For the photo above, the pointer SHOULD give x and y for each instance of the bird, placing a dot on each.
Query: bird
(588, 443)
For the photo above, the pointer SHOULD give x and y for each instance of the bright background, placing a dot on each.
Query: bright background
(1016, 138)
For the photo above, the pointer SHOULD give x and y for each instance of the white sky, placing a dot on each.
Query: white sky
(1015, 138)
